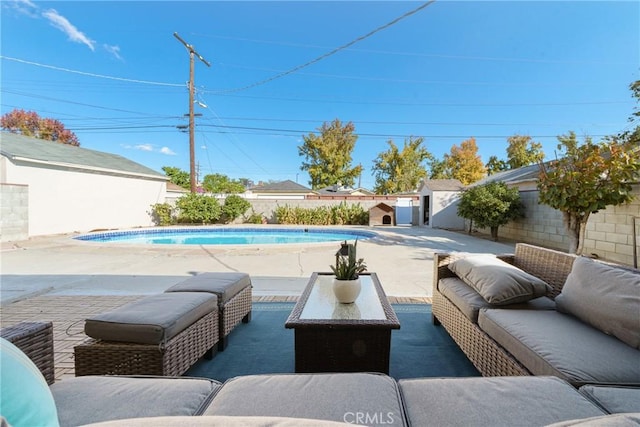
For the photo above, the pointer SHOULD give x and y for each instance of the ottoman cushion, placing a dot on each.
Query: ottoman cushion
(614, 398)
(224, 285)
(151, 320)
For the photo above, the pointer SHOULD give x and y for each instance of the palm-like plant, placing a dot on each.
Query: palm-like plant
(348, 267)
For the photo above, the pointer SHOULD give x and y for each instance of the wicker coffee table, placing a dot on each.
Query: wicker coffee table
(334, 337)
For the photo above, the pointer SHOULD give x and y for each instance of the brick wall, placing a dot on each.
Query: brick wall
(14, 212)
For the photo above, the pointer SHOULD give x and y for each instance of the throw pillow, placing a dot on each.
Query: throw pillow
(605, 297)
(497, 281)
(24, 393)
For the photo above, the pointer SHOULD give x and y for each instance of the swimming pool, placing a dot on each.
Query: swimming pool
(226, 236)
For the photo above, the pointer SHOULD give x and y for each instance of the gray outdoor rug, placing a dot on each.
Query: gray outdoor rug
(418, 348)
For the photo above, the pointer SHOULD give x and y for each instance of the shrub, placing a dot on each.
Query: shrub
(342, 214)
(234, 207)
(198, 209)
(254, 218)
(163, 214)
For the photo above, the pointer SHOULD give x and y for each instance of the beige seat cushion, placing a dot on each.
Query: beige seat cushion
(151, 320)
(224, 285)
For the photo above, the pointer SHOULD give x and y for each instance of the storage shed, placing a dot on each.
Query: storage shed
(382, 214)
(439, 203)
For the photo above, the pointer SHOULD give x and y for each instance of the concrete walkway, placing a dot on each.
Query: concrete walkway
(60, 266)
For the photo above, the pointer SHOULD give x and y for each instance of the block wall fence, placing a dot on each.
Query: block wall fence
(609, 233)
(14, 212)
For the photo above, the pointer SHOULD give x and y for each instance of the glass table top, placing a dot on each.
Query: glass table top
(322, 304)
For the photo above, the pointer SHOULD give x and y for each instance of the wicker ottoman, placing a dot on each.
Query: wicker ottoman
(163, 334)
(234, 298)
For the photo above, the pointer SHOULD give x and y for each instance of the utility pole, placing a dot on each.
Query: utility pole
(192, 150)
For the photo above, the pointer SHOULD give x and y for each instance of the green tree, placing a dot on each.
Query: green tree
(178, 176)
(464, 162)
(438, 169)
(523, 151)
(29, 123)
(495, 165)
(588, 178)
(491, 205)
(222, 184)
(400, 171)
(327, 157)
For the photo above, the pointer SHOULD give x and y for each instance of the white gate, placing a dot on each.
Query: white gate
(404, 211)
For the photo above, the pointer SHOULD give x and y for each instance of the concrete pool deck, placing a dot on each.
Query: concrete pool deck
(59, 265)
(58, 279)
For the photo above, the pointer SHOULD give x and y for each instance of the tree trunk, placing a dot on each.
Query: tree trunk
(576, 227)
(494, 233)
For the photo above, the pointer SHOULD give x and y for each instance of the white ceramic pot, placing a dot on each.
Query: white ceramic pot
(346, 291)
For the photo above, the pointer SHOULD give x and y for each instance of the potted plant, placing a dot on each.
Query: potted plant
(346, 284)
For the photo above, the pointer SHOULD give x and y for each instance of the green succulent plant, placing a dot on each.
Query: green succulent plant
(347, 266)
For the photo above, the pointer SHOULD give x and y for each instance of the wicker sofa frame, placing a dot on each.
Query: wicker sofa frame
(35, 339)
(490, 358)
(175, 357)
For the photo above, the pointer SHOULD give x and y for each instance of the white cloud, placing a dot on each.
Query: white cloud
(63, 24)
(151, 148)
(25, 7)
(168, 151)
(114, 50)
(144, 147)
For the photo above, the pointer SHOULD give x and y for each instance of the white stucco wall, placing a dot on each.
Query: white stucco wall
(443, 209)
(62, 200)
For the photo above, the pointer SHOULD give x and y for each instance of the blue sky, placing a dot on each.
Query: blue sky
(114, 74)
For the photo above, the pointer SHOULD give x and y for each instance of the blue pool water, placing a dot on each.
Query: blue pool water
(227, 236)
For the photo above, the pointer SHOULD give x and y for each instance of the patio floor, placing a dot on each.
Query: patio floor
(68, 313)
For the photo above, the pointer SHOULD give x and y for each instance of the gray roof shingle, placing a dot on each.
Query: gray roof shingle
(15, 146)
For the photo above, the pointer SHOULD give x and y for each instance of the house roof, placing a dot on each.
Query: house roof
(341, 190)
(287, 186)
(442, 185)
(19, 147)
(524, 173)
(382, 206)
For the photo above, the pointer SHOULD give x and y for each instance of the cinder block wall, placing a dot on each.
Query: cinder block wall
(609, 233)
(14, 212)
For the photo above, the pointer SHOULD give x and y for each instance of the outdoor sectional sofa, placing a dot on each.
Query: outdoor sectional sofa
(584, 327)
(303, 399)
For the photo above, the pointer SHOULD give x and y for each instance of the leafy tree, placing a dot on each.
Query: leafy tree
(328, 155)
(464, 162)
(587, 179)
(523, 151)
(178, 176)
(399, 171)
(221, 184)
(234, 206)
(438, 169)
(491, 205)
(29, 123)
(495, 165)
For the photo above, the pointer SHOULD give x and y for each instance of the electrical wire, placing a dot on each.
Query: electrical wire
(332, 52)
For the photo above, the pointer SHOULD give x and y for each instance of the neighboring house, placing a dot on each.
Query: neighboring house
(340, 190)
(439, 200)
(49, 188)
(174, 192)
(278, 190)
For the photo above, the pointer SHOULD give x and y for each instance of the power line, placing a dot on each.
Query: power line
(334, 51)
(102, 76)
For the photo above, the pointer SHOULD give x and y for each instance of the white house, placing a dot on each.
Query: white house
(439, 203)
(50, 188)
